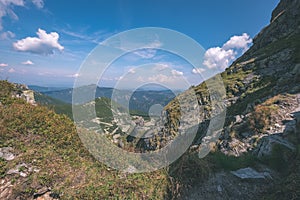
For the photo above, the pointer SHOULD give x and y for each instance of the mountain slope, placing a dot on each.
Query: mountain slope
(42, 157)
(58, 106)
(269, 68)
(262, 122)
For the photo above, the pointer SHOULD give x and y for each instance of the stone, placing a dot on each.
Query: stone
(131, 169)
(266, 143)
(45, 193)
(219, 188)
(239, 118)
(121, 144)
(41, 191)
(6, 188)
(16, 170)
(12, 171)
(116, 136)
(6, 153)
(249, 173)
(23, 174)
(277, 125)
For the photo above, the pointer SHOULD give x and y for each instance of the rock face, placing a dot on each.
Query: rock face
(260, 142)
(263, 106)
(285, 21)
(23, 92)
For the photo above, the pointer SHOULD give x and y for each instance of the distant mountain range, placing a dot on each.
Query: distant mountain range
(45, 89)
(140, 100)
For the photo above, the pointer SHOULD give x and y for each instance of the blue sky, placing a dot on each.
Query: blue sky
(44, 42)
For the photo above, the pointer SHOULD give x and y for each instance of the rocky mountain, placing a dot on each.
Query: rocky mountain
(262, 123)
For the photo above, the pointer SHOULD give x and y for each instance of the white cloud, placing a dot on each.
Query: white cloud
(7, 35)
(131, 70)
(128, 45)
(238, 42)
(6, 9)
(109, 79)
(217, 57)
(150, 49)
(155, 44)
(176, 73)
(11, 70)
(221, 57)
(198, 70)
(161, 78)
(94, 37)
(38, 3)
(145, 53)
(3, 64)
(73, 75)
(28, 62)
(177, 78)
(45, 74)
(161, 66)
(12, 2)
(140, 79)
(43, 44)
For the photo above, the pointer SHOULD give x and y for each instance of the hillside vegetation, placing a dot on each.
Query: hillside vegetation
(49, 159)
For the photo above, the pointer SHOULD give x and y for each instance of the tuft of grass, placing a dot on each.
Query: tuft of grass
(263, 115)
(279, 158)
(221, 161)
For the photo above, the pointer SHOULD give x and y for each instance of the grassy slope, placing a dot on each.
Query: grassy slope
(49, 142)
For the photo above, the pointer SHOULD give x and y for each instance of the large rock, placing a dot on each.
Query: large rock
(266, 144)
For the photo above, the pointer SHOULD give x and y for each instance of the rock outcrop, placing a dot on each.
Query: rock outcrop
(262, 116)
(23, 92)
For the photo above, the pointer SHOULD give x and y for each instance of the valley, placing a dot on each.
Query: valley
(239, 139)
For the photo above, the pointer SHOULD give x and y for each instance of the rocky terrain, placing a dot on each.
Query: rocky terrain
(261, 131)
(252, 151)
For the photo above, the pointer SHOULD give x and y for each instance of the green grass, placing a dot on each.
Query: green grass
(279, 159)
(49, 142)
(221, 161)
